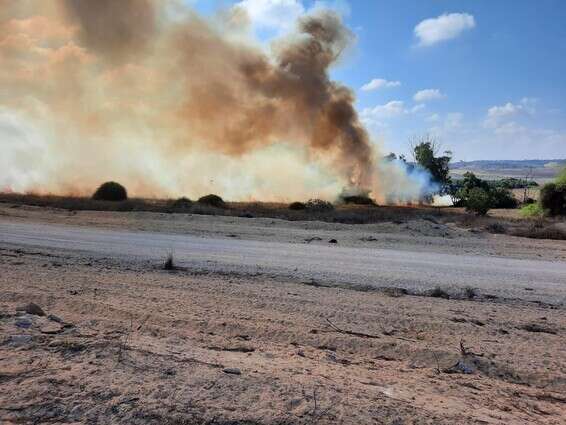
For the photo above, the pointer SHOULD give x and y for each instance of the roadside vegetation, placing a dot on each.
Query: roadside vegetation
(541, 219)
(110, 191)
(552, 199)
(479, 196)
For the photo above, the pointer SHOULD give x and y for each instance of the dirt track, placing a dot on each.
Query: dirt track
(329, 264)
(142, 345)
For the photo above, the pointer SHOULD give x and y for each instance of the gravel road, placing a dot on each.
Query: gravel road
(332, 264)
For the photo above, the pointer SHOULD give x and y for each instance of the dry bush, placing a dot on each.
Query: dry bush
(496, 228)
(438, 292)
(537, 231)
(297, 206)
(357, 200)
(319, 205)
(110, 191)
(212, 201)
(169, 263)
(182, 204)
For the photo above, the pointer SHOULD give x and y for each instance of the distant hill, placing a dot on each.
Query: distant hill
(540, 170)
(508, 164)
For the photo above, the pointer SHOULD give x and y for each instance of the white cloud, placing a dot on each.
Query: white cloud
(378, 115)
(454, 120)
(496, 115)
(509, 109)
(389, 110)
(380, 83)
(445, 27)
(427, 95)
(433, 118)
(273, 14)
(281, 15)
(418, 107)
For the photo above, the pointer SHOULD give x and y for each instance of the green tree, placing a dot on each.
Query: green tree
(461, 190)
(425, 152)
(553, 199)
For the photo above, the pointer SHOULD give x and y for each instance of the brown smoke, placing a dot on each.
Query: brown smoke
(239, 99)
(120, 89)
(115, 29)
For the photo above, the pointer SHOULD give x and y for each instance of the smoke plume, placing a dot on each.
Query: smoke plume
(169, 103)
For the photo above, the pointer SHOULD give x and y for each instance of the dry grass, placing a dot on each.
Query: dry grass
(497, 222)
(347, 214)
(541, 232)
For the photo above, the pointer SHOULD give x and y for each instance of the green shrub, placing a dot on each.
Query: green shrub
(561, 178)
(182, 204)
(502, 198)
(110, 191)
(478, 202)
(212, 201)
(532, 210)
(297, 206)
(553, 199)
(499, 195)
(318, 205)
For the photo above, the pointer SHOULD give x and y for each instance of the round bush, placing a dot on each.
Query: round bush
(478, 201)
(213, 201)
(358, 200)
(182, 204)
(297, 206)
(553, 199)
(318, 205)
(110, 191)
(502, 198)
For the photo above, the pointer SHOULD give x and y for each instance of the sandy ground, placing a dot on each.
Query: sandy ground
(125, 342)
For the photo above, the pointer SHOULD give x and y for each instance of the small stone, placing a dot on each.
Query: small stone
(332, 241)
(20, 339)
(32, 308)
(23, 323)
(51, 329)
(56, 319)
(232, 371)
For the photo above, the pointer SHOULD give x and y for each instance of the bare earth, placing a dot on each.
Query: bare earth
(223, 341)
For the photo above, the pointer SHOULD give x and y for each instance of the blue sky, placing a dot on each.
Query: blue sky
(488, 78)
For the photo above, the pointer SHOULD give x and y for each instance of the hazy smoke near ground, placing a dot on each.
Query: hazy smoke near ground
(148, 93)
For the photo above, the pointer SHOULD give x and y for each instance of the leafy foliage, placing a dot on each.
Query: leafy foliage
(478, 201)
(438, 166)
(502, 198)
(553, 199)
(110, 191)
(514, 183)
(499, 197)
(532, 210)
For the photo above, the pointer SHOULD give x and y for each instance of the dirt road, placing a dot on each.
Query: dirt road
(329, 265)
(249, 330)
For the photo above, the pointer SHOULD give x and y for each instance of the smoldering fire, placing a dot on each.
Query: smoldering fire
(150, 93)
